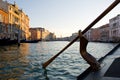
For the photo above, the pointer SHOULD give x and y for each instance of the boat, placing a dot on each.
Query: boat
(30, 41)
(4, 42)
(109, 70)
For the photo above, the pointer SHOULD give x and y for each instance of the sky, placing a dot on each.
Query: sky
(64, 17)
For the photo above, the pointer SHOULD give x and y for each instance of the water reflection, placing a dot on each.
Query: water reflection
(25, 62)
(12, 61)
(45, 74)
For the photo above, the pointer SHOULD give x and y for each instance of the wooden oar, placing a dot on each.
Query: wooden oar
(84, 31)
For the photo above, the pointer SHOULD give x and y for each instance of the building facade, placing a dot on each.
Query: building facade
(104, 33)
(41, 34)
(47, 35)
(73, 36)
(3, 20)
(88, 35)
(108, 32)
(24, 24)
(35, 34)
(99, 34)
(18, 22)
(14, 21)
(114, 24)
(95, 34)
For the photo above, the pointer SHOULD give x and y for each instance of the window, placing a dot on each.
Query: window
(115, 24)
(0, 28)
(16, 19)
(1, 19)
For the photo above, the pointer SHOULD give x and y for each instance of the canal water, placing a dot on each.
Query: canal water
(25, 62)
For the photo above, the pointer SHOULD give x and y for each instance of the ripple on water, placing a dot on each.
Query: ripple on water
(25, 63)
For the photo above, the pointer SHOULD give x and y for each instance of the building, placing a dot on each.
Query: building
(39, 33)
(98, 34)
(73, 36)
(18, 22)
(47, 36)
(14, 21)
(88, 35)
(3, 20)
(52, 36)
(24, 25)
(95, 35)
(104, 33)
(35, 33)
(114, 33)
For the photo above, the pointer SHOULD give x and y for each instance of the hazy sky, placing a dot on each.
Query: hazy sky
(64, 17)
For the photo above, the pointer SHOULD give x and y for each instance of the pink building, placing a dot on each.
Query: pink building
(95, 34)
(99, 34)
(104, 33)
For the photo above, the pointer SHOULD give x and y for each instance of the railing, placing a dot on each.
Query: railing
(84, 31)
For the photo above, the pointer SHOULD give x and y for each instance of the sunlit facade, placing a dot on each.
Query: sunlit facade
(14, 20)
(46, 35)
(41, 34)
(18, 22)
(35, 33)
(24, 24)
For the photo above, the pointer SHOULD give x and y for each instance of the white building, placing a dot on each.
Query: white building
(88, 34)
(114, 24)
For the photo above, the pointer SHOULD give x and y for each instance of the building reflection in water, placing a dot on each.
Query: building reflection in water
(13, 61)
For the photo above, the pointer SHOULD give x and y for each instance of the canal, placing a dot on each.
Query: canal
(25, 62)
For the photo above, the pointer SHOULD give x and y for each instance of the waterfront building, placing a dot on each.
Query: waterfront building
(98, 34)
(104, 33)
(24, 25)
(3, 20)
(88, 35)
(39, 33)
(73, 36)
(93, 34)
(47, 36)
(114, 33)
(18, 22)
(52, 36)
(14, 21)
(35, 33)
